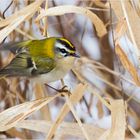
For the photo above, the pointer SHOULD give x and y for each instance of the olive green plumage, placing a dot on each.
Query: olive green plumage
(36, 57)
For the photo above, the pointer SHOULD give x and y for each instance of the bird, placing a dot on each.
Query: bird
(46, 60)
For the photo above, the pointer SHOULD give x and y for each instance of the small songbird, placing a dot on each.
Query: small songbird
(46, 60)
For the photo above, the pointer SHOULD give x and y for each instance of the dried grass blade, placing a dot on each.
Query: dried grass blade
(65, 128)
(136, 5)
(30, 9)
(104, 135)
(7, 30)
(134, 132)
(127, 64)
(60, 10)
(120, 29)
(117, 131)
(116, 6)
(91, 90)
(101, 78)
(17, 18)
(11, 116)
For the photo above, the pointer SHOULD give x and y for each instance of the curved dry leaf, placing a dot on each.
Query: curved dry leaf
(127, 64)
(11, 116)
(60, 10)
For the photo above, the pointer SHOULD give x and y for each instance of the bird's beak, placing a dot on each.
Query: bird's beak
(76, 55)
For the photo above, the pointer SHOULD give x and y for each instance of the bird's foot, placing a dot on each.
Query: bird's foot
(63, 90)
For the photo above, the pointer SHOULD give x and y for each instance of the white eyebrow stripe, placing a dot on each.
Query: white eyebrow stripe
(61, 46)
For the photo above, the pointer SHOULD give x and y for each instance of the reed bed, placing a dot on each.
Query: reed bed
(104, 100)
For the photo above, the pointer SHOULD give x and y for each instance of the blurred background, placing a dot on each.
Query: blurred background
(99, 65)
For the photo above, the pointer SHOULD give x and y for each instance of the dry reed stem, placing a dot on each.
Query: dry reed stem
(77, 118)
(74, 98)
(40, 93)
(45, 32)
(137, 136)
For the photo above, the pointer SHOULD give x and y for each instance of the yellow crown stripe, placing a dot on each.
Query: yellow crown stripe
(67, 42)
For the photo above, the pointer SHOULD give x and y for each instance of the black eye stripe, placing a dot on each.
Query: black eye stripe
(62, 50)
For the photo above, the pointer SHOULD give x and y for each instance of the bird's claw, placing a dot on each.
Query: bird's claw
(65, 89)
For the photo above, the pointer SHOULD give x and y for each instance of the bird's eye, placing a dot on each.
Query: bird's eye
(63, 50)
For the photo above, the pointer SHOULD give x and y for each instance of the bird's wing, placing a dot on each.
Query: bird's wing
(15, 47)
(24, 65)
(43, 65)
(22, 46)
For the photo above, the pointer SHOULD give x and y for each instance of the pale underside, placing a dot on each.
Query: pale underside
(62, 68)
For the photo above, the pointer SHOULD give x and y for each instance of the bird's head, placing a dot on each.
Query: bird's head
(64, 48)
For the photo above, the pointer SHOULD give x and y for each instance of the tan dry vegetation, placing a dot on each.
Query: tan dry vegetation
(121, 19)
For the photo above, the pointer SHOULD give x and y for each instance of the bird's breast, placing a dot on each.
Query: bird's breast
(62, 68)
